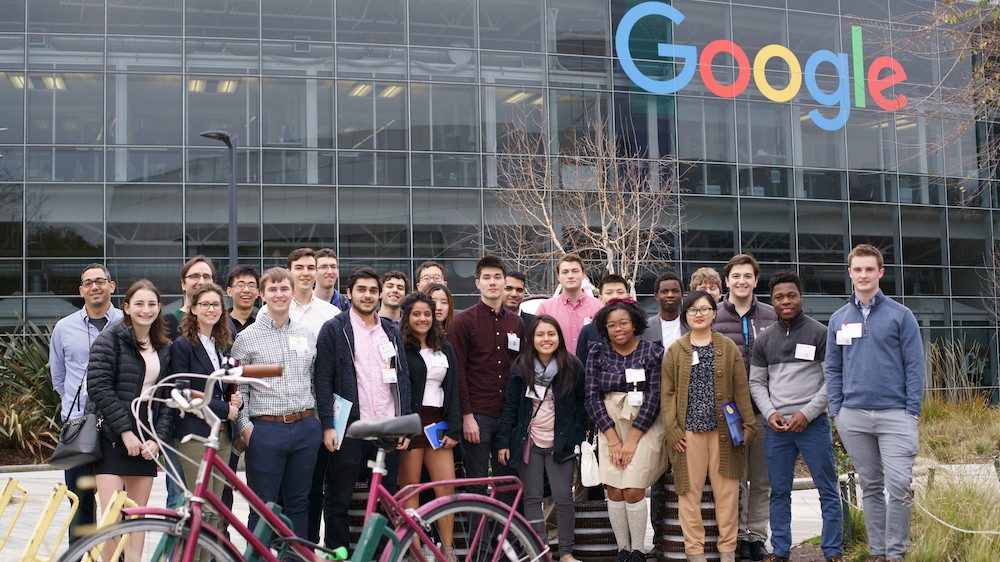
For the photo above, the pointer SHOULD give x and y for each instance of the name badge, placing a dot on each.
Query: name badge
(805, 352)
(439, 359)
(635, 398)
(842, 338)
(387, 350)
(852, 330)
(537, 392)
(694, 358)
(513, 342)
(298, 344)
(635, 375)
(389, 376)
(587, 320)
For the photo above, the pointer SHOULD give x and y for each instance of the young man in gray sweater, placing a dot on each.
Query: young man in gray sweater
(789, 388)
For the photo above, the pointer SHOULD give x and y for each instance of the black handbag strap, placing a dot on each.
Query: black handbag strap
(76, 400)
(539, 406)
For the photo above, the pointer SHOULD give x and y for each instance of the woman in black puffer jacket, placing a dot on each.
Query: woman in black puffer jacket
(126, 359)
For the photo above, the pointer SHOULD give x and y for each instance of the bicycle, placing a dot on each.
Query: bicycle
(496, 532)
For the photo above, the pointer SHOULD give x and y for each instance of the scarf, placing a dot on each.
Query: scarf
(544, 375)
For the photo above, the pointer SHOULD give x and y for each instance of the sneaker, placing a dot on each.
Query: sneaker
(758, 551)
(637, 556)
(775, 558)
(835, 558)
(626, 556)
(742, 550)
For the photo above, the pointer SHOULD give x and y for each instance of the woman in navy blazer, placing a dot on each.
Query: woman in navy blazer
(205, 334)
(543, 420)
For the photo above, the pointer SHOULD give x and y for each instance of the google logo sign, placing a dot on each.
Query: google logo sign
(883, 73)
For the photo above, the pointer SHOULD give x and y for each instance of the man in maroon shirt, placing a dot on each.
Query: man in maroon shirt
(486, 338)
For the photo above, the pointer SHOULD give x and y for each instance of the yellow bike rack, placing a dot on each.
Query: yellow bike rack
(112, 514)
(59, 494)
(6, 496)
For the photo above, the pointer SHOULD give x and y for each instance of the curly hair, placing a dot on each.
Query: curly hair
(635, 312)
(221, 332)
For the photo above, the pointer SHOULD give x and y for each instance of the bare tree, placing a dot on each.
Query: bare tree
(600, 198)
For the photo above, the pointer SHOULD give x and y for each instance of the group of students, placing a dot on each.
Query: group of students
(515, 398)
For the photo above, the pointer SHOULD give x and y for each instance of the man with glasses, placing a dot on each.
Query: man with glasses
(428, 273)
(327, 272)
(195, 273)
(242, 284)
(307, 310)
(69, 353)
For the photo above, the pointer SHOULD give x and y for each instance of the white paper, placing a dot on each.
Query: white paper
(694, 358)
(387, 350)
(513, 342)
(635, 375)
(852, 330)
(805, 352)
(298, 344)
(439, 359)
(537, 392)
(388, 376)
(635, 398)
(842, 338)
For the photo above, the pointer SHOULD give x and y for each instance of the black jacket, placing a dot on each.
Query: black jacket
(335, 368)
(418, 379)
(114, 379)
(188, 358)
(570, 423)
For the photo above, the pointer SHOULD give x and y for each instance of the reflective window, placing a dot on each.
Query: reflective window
(703, 22)
(445, 223)
(294, 217)
(144, 54)
(824, 280)
(11, 107)
(222, 103)
(13, 20)
(206, 210)
(363, 21)
(921, 229)
(150, 17)
(970, 282)
(822, 229)
(11, 165)
(443, 23)
(581, 26)
(365, 61)
(64, 164)
(449, 170)
(710, 224)
(444, 117)
(222, 18)
(158, 164)
(373, 223)
(513, 120)
(871, 187)
(516, 68)
(371, 114)
(145, 221)
(871, 140)
(11, 219)
(923, 281)
(296, 19)
(705, 129)
(920, 189)
(57, 16)
(968, 231)
(578, 72)
(574, 117)
(708, 179)
(754, 27)
(65, 220)
(875, 225)
(147, 112)
(819, 148)
(298, 58)
(763, 132)
(763, 181)
(820, 184)
(65, 108)
(211, 165)
(873, 9)
(767, 229)
(511, 25)
(164, 273)
(215, 56)
(357, 167)
(454, 65)
(294, 111)
(292, 166)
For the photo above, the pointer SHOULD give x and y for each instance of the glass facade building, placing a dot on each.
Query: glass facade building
(372, 127)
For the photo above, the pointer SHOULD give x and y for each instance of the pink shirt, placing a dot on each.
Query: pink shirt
(375, 396)
(572, 316)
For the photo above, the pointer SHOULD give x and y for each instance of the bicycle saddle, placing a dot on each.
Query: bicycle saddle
(375, 429)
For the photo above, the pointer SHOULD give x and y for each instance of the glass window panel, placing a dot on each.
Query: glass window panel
(972, 312)
(10, 284)
(513, 120)
(143, 109)
(443, 23)
(164, 273)
(65, 220)
(969, 192)
(145, 221)
(929, 311)
(917, 140)
(511, 25)
(710, 224)
(968, 231)
(65, 164)
(709, 179)
(13, 11)
(299, 166)
(374, 223)
(12, 50)
(145, 164)
(960, 153)
(298, 58)
(222, 103)
(445, 223)
(873, 9)
(967, 281)
(211, 165)
(206, 210)
(512, 68)
(823, 280)
(871, 140)
(766, 229)
(11, 107)
(56, 277)
(703, 22)
(820, 184)
(65, 108)
(70, 52)
(371, 114)
(871, 187)
(758, 27)
(218, 56)
(365, 61)
(875, 225)
(150, 17)
(222, 18)
(58, 16)
(581, 26)
(819, 148)
(923, 281)
(11, 217)
(764, 181)
(919, 189)
(11, 165)
(448, 170)
(808, 33)
(578, 72)
(296, 217)
(444, 117)
(363, 21)
(296, 19)
(144, 54)
(453, 65)
(574, 117)
(821, 308)
(763, 131)
(921, 229)
(294, 110)
(822, 228)
(372, 168)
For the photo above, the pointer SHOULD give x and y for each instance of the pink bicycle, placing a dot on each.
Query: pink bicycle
(488, 529)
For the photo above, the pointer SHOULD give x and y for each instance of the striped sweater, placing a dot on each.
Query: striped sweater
(782, 383)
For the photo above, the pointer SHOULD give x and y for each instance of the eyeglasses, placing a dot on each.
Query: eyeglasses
(197, 276)
(619, 325)
(700, 311)
(432, 278)
(242, 285)
(210, 305)
(100, 282)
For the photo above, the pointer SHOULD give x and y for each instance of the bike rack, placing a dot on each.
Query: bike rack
(59, 494)
(112, 514)
(6, 496)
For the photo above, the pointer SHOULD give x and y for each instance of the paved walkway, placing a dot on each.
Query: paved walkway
(39, 485)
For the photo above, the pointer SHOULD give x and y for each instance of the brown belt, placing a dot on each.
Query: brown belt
(224, 426)
(287, 418)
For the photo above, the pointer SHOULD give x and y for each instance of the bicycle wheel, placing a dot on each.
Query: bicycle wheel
(520, 545)
(142, 540)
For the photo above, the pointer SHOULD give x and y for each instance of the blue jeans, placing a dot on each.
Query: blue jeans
(816, 445)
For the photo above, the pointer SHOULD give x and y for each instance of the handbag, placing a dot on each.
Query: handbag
(79, 440)
(590, 474)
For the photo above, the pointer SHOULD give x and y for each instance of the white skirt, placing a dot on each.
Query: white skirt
(650, 459)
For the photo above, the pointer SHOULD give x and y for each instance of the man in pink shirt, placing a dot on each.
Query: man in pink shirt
(574, 308)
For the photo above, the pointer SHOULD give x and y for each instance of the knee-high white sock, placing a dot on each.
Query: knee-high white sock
(619, 524)
(637, 519)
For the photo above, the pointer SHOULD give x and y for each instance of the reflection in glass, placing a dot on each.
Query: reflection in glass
(11, 215)
(57, 16)
(921, 229)
(767, 229)
(373, 223)
(871, 187)
(65, 108)
(372, 168)
(363, 21)
(294, 112)
(705, 129)
(762, 133)
(206, 210)
(709, 179)
(822, 229)
(447, 170)
(11, 106)
(150, 17)
(820, 184)
(445, 223)
(65, 220)
(442, 23)
(444, 117)
(967, 281)
(764, 181)
(64, 164)
(511, 25)
(710, 224)
(148, 112)
(145, 221)
(227, 103)
(371, 114)
(145, 164)
(825, 280)
(968, 231)
(296, 19)
(293, 166)
(221, 18)
(581, 26)
(875, 225)
(296, 217)
(513, 120)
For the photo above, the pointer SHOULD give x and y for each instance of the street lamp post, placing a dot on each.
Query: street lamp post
(230, 141)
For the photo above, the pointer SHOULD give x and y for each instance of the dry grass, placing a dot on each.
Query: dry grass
(966, 431)
(967, 505)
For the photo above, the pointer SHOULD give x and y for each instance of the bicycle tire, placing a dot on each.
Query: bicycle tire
(521, 539)
(161, 542)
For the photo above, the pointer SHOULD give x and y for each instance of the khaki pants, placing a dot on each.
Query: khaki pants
(703, 461)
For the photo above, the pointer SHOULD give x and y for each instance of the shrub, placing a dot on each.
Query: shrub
(29, 405)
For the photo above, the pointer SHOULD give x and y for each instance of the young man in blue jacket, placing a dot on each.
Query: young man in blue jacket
(875, 383)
